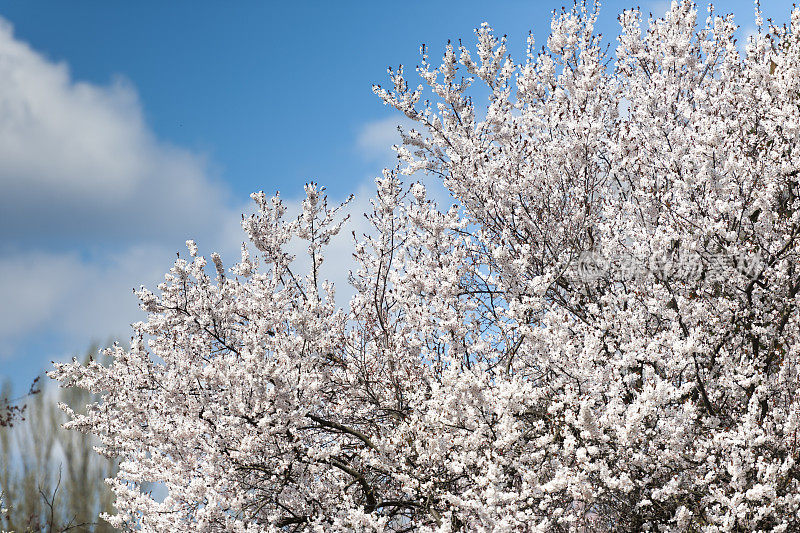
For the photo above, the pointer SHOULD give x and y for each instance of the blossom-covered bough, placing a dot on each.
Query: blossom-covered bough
(601, 334)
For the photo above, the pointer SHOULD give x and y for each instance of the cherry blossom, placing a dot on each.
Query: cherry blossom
(481, 379)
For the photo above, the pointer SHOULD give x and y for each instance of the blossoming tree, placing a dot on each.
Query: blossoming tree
(602, 332)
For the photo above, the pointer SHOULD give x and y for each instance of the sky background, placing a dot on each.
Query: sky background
(127, 128)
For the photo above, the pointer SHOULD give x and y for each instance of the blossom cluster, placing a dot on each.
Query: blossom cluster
(478, 380)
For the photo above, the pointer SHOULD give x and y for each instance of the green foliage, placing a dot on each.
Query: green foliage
(52, 479)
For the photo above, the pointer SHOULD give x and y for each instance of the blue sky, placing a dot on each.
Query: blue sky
(126, 128)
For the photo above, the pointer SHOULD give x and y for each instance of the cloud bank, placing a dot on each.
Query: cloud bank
(92, 204)
(78, 162)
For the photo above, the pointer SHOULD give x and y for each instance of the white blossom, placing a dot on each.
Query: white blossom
(484, 378)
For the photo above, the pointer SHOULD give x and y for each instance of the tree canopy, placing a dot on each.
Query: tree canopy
(601, 332)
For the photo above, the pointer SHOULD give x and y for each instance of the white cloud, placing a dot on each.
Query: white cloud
(92, 204)
(78, 161)
(30, 291)
(72, 298)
